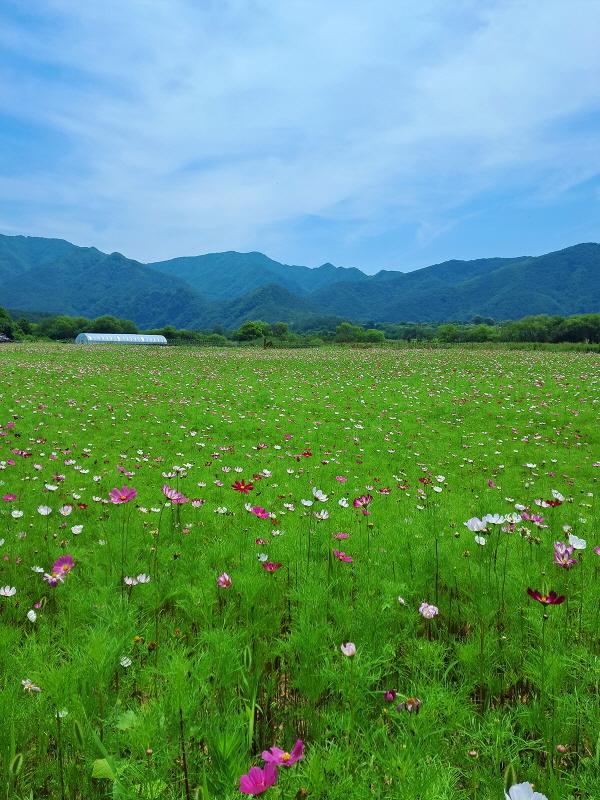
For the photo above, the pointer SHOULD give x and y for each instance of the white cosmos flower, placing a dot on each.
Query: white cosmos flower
(7, 591)
(263, 557)
(523, 791)
(31, 615)
(343, 502)
(143, 578)
(50, 487)
(494, 519)
(557, 496)
(44, 510)
(65, 510)
(76, 529)
(319, 495)
(437, 488)
(440, 478)
(125, 661)
(576, 542)
(322, 515)
(480, 540)
(475, 524)
(306, 502)
(16, 514)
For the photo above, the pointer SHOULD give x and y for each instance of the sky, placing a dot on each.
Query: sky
(383, 134)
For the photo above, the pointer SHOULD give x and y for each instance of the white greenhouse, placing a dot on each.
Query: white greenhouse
(120, 338)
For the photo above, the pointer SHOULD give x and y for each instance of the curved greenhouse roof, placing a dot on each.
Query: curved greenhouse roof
(120, 338)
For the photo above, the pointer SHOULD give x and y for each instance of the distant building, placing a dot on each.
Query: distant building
(120, 338)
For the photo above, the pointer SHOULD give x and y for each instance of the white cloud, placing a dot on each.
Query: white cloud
(198, 126)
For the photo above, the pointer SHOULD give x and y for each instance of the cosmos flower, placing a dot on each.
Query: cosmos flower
(428, 611)
(475, 524)
(481, 540)
(178, 498)
(7, 591)
(44, 511)
(363, 501)
(562, 555)
(122, 495)
(390, 695)
(341, 556)
(258, 780)
(550, 599)
(224, 581)
(242, 486)
(281, 758)
(411, 704)
(29, 686)
(271, 566)
(348, 649)
(63, 565)
(576, 542)
(523, 791)
(9, 497)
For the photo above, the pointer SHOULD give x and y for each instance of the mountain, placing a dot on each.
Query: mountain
(239, 273)
(55, 276)
(52, 275)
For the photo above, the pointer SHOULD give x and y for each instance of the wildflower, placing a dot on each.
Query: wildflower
(63, 565)
(340, 535)
(224, 581)
(428, 611)
(53, 579)
(597, 551)
(65, 510)
(242, 486)
(31, 615)
(480, 540)
(7, 591)
(143, 578)
(343, 502)
(173, 495)
(321, 515)
(29, 686)
(76, 529)
(44, 510)
(258, 780)
(259, 512)
(129, 581)
(125, 661)
(341, 556)
(348, 649)
(271, 566)
(562, 555)
(523, 791)
(122, 495)
(282, 758)
(9, 497)
(550, 599)
(363, 501)
(475, 524)
(576, 542)
(319, 495)
(411, 704)
(390, 695)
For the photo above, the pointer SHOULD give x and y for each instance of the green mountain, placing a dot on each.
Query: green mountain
(239, 273)
(52, 275)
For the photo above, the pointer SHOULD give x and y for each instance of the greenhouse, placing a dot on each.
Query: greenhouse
(120, 338)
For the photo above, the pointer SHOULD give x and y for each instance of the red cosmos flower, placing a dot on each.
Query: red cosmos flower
(271, 566)
(242, 486)
(307, 453)
(550, 599)
(425, 480)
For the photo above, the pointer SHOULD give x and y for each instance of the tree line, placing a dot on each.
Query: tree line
(540, 328)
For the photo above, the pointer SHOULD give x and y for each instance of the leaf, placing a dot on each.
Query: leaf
(126, 721)
(151, 791)
(102, 769)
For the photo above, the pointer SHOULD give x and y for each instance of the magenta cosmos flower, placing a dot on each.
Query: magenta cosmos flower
(562, 555)
(9, 497)
(362, 501)
(63, 565)
(282, 758)
(122, 495)
(224, 581)
(258, 780)
(260, 512)
(272, 566)
(550, 599)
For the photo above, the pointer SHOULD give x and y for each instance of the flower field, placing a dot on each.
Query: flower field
(317, 574)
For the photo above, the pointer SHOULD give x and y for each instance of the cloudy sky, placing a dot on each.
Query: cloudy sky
(388, 133)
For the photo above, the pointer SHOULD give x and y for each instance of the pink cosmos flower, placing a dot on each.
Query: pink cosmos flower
(348, 649)
(258, 780)
(122, 495)
(173, 495)
(9, 497)
(362, 501)
(597, 551)
(271, 566)
(562, 555)
(341, 556)
(281, 758)
(341, 535)
(341, 478)
(224, 581)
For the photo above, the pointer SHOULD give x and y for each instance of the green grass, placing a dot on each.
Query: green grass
(217, 675)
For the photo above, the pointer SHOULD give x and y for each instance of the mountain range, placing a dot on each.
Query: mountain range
(200, 292)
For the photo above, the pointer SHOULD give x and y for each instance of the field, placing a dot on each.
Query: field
(286, 558)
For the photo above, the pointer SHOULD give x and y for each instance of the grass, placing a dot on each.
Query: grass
(173, 688)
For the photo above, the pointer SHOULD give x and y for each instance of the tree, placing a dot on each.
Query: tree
(253, 329)
(279, 328)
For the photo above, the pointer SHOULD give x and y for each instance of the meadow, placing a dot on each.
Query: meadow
(209, 554)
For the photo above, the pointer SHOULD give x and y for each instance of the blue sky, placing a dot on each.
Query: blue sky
(388, 134)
